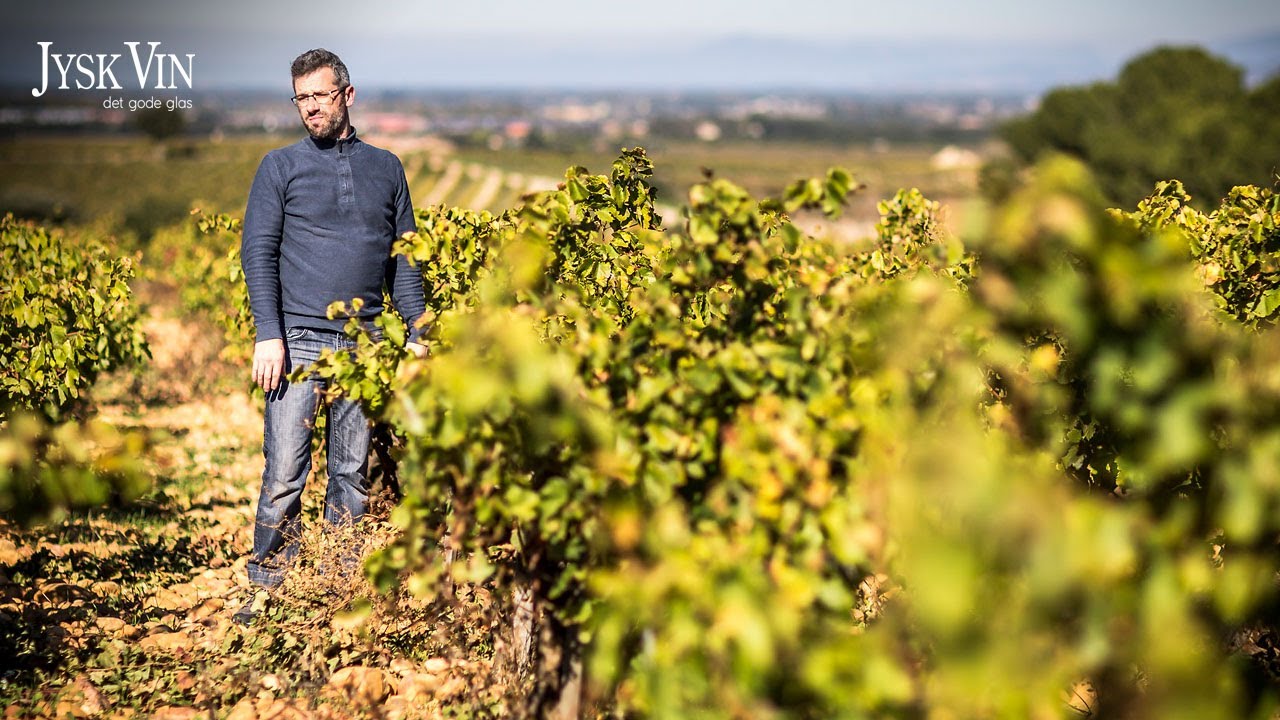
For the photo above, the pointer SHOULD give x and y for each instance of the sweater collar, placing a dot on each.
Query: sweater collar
(340, 145)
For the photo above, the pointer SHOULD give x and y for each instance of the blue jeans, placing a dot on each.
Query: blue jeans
(290, 418)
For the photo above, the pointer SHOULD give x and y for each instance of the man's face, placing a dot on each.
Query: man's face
(323, 122)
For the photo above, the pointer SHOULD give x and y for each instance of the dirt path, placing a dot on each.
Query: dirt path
(126, 612)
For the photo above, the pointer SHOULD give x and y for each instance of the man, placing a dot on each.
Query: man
(321, 217)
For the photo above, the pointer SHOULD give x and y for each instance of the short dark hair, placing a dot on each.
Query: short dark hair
(312, 60)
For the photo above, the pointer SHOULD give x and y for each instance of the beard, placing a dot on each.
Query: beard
(330, 125)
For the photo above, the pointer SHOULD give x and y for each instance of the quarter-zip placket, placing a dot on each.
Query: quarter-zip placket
(346, 187)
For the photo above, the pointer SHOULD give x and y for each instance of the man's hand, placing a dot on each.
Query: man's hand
(268, 363)
(417, 349)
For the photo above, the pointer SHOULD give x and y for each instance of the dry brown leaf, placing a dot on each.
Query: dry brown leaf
(10, 554)
(435, 666)
(243, 710)
(184, 679)
(206, 609)
(1082, 698)
(168, 600)
(419, 685)
(169, 712)
(166, 642)
(362, 683)
(81, 699)
(105, 588)
(273, 709)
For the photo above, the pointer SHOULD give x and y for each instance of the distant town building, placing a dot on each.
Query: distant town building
(955, 158)
(393, 123)
(707, 131)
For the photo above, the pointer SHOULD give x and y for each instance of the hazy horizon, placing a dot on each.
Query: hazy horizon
(991, 46)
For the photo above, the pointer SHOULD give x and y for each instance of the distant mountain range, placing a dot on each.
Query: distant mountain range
(916, 65)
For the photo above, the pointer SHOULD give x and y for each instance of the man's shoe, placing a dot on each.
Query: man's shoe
(251, 609)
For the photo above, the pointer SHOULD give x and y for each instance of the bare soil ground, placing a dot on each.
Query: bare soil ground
(126, 611)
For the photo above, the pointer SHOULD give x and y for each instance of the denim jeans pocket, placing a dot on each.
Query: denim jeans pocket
(294, 333)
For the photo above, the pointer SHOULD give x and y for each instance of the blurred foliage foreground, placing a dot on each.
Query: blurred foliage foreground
(744, 472)
(67, 315)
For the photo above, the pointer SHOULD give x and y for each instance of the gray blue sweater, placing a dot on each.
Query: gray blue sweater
(321, 218)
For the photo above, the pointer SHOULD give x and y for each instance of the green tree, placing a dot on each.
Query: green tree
(1172, 112)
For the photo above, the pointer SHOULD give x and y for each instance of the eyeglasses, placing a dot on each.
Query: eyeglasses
(322, 98)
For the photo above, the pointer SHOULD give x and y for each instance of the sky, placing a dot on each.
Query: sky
(680, 44)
